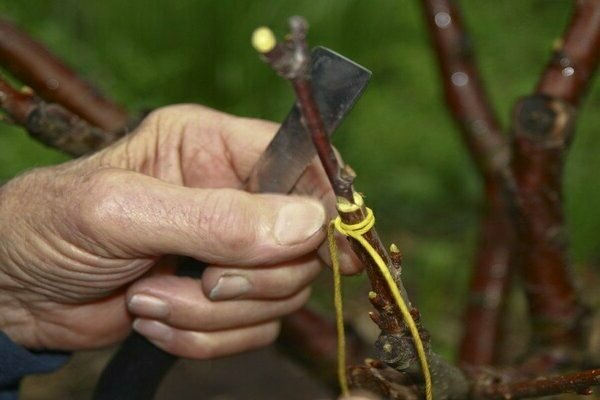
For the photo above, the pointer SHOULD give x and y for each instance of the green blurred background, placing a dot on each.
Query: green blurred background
(407, 153)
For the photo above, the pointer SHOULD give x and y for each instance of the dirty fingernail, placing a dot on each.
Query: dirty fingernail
(297, 222)
(230, 287)
(153, 330)
(148, 306)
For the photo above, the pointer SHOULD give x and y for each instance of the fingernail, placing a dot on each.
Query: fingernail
(153, 329)
(148, 306)
(230, 287)
(297, 222)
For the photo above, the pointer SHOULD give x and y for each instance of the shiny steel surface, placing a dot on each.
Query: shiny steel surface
(337, 83)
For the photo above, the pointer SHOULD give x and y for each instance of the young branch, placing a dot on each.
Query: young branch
(395, 345)
(55, 82)
(488, 147)
(51, 124)
(543, 128)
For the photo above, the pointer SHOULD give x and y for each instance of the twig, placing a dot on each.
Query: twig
(578, 382)
(38, 68)
(394, 346)
(52, 124)
(291, 60)
(488, 147)
(543, 128)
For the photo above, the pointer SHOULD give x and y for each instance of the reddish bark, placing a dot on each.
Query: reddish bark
(395, 344)
(52, 80)
(571, 69)
(311, 339)
(481, 132)
(543, 129)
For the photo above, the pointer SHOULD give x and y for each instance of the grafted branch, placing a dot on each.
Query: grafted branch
(395, 345)
(488, 147)
(37, 67)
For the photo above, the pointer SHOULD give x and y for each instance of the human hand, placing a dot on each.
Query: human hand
(76, 236)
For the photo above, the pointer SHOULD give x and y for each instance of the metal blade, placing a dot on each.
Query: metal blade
(337, 83)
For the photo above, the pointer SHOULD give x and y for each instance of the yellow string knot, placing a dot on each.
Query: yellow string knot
(357, 232)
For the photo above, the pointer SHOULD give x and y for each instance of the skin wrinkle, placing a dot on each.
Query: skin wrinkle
(221, 218)
(229, 159)
(251, 153)
(107, 225)
(84, 335)
(105, 210)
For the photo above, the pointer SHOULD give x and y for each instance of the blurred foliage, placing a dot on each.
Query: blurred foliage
(408, 155)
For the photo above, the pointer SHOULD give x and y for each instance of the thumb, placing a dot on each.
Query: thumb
(131, 214)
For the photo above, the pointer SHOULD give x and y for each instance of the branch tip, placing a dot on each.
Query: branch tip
(263, 40)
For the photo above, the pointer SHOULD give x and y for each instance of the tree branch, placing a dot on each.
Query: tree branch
(311, 339)
(543, 128)
(38, 68)
(578, 382)
(395, 344)
(488, 147)
(573, 65)
(52, 124)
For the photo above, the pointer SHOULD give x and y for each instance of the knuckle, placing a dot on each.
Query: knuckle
(205, 347)
(282, 284)
(169, 117)
(226, 220)
(289, 281)
(101, 198)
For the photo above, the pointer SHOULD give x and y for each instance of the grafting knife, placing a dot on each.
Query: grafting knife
(135, 371)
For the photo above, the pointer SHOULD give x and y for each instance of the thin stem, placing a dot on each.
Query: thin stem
(342, 186)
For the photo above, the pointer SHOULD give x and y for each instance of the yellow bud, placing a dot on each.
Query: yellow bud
(263, 39)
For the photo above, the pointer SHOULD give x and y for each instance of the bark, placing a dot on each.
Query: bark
(543, 128)
(310, 338)
(36, 66)
(469, 106)
(395, 345)
(578, 382)
(52, 124)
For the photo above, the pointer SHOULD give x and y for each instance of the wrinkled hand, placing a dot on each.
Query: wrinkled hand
(85, 245)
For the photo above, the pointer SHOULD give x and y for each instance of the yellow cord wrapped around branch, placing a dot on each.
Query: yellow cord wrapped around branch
(356, 231)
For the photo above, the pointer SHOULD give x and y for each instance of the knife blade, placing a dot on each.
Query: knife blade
(338, 83)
